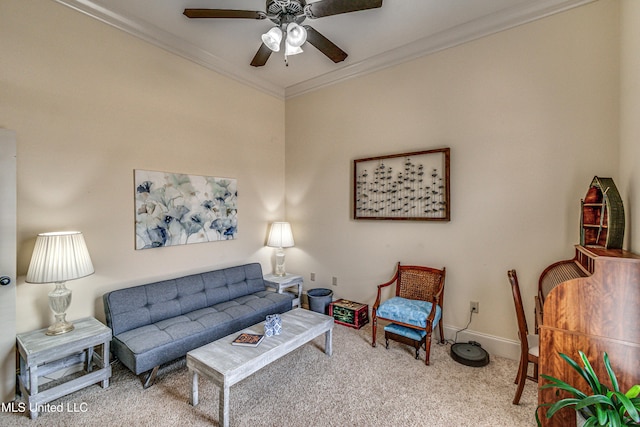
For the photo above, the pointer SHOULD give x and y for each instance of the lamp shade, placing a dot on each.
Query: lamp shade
(280, 235)
(291, 50)
(296, 35)
(272, 38)
(58, 257)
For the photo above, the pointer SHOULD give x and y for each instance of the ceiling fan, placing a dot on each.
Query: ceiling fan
(288, 15)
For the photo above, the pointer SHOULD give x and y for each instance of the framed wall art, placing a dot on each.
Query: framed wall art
(407, 186)
(179, 209)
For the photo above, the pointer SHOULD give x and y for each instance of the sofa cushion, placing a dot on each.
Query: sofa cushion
(209, 316)
(191, 295)
(215, 287)
(127, 309)
(142, 339)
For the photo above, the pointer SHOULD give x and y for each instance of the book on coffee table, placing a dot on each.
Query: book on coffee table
(248, 340)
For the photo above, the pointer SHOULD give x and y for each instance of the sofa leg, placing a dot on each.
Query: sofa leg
(149, 377)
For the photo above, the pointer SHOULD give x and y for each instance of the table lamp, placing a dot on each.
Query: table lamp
(280, 236)
(58, 257)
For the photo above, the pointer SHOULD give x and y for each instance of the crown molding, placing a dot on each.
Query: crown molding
(469, 31)
(167, 41)
(481, 27)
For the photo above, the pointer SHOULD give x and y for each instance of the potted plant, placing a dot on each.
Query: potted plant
(604, 406)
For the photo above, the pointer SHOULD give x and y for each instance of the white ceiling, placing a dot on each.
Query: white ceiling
(398, 31)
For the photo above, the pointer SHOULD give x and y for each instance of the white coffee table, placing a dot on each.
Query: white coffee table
(227, 364)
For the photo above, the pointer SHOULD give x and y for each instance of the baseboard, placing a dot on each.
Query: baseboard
(497, 346)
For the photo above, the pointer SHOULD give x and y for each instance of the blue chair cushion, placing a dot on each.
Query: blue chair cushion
(409, 311)
(412, 334)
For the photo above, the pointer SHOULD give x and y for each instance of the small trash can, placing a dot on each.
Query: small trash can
(319, 299)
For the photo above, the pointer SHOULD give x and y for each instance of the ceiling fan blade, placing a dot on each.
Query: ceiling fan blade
(261, 57)
(223, 13)
(336, 7)
(325, 45)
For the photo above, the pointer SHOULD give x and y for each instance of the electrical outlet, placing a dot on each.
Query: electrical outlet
(313, 277)
(334, 281)
(474, 306)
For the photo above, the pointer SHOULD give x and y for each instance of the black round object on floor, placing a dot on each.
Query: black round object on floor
(470, 354)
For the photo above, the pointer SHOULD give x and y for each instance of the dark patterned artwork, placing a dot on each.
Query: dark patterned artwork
(409, 186)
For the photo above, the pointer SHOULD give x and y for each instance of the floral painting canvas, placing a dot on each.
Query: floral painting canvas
(178, 209)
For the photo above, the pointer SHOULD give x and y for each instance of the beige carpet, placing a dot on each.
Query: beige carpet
(357, 386)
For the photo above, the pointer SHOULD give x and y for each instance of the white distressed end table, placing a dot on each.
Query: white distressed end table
(42, 354)
(280, 283)
(227, 364)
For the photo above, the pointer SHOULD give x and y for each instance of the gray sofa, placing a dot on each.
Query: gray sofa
(158, 322)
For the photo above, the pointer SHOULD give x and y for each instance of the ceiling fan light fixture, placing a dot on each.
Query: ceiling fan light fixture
(272, 39)
(291, 49)
(296, 35)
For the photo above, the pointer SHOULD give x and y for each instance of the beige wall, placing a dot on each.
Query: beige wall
(90, 104)
(530, 114)
(629, 122)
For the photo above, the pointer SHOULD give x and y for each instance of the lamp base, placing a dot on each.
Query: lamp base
(60, 328)
(280, 263)
(59, 300)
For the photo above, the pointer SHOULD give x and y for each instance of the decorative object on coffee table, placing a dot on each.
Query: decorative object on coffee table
(248, 340)
(280, 236)
(58, 257)
(349, 313)
(272, 325)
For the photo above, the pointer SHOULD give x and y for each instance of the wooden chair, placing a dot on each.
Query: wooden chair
(417, 304)
(529, 348)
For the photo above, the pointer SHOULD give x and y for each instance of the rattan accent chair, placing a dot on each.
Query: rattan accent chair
(415, 308)
(529, 349)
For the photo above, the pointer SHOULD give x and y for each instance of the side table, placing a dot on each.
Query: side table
(280, 283)
(41, 354)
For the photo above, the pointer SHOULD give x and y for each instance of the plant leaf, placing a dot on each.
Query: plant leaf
(614, 419)
(595, 405)
(628, 406)
(570, 401)
(542, 405)
(581, 371)
(594, 400)
(591, 422)
(574, 365)
(633, 391)
(612, 375)
(602, 416)
(592, 379)
(562, 386)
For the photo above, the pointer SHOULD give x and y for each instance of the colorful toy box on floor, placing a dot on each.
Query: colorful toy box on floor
(349, 313)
